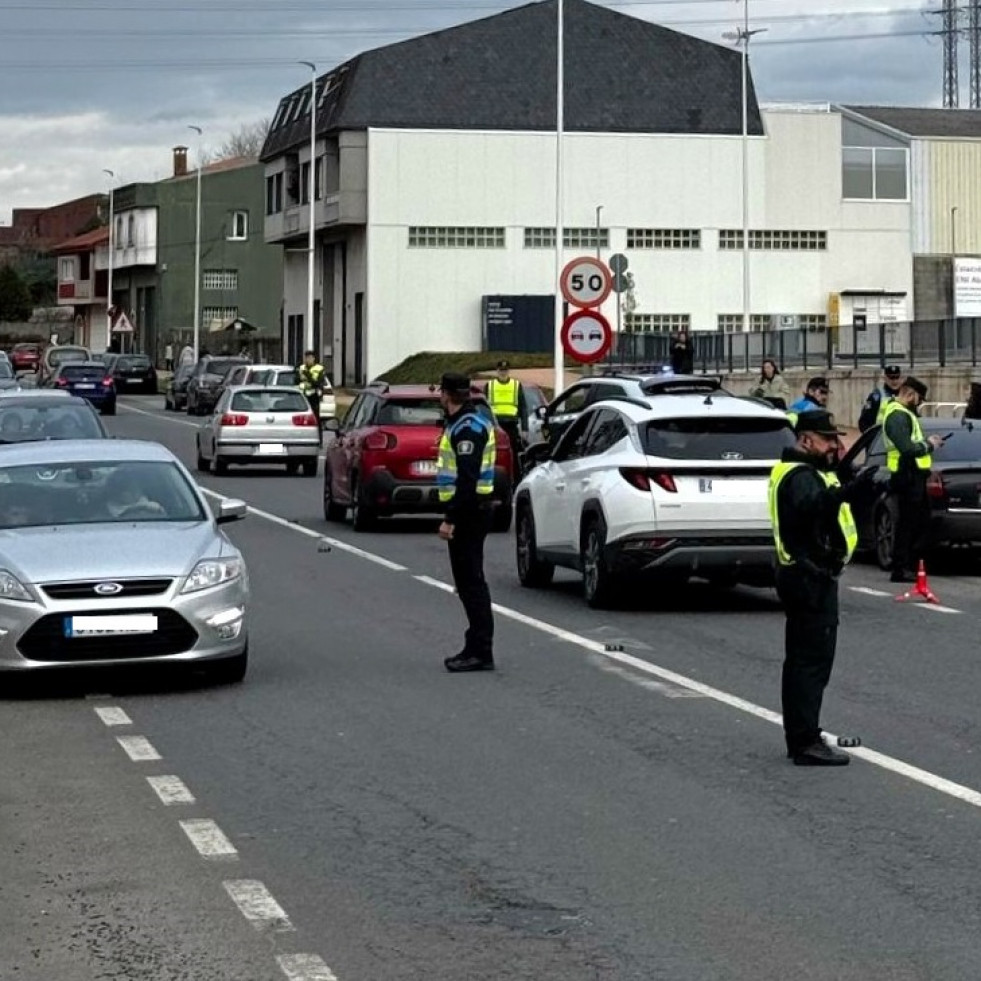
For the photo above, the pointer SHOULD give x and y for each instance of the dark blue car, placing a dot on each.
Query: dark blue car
(90, 380)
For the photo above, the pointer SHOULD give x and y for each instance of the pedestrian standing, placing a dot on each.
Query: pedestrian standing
(909, 458)
(506, 399)
(874, 410)
(465, 478)
(815, 536)
(682, 356)
(169, 357)
(772, 386)
(187, 355)
(311, 375)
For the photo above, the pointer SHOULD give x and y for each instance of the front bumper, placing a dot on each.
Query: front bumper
(747, 557)
(33, 635)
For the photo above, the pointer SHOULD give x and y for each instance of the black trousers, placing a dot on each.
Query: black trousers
(513, 428)
(466, 549)
(811, 605)
(913, 519)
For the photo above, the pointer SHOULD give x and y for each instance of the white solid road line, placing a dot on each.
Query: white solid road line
(138, 748)
(937, 608)
(868, 591)
(305, 967)
(257, 905)
(208, 838)
(114, 716)
(171, 790)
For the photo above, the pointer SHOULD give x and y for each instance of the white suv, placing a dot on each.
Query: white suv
(674, 484)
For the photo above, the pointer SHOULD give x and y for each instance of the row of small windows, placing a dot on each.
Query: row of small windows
(209, 314)
(219, 279)
(490, 237)
(726, 323)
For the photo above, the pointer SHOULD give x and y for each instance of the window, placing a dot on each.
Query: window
(812, 321)
(305, 183)
(712, 438)
(608, 431)
(66, 270)
(130, 232)
(410, 412)
(269, 402)
(874, 173)
(573, 443)
(432, 237)
(575, 401)
(318, 178)
(664, 238)
(118, 236)
(604, 390)
(658, 323)
(219, 279)
(209, 314)
(573, 238)
(780, 241)
(732, 323)
(274, 194)
(239, 226)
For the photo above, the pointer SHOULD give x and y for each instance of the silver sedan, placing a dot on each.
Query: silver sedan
(260, 425)
(109, 554)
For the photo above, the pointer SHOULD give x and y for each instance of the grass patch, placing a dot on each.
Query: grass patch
(427, 366)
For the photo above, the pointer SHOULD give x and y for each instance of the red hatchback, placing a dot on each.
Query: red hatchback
(383, 460)
(25, 357)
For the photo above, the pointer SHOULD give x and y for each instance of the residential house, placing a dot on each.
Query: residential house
(83, 285)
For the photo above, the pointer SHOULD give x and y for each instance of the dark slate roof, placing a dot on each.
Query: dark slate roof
(957, 123)
(622, 75)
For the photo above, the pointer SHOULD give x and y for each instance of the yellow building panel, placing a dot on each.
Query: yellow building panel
(955, 183)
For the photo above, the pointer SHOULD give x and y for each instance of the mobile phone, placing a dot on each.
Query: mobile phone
(945, 438)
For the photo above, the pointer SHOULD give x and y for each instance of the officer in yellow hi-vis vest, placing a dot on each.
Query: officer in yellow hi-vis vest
(465, 480)
(815, 536)
(909, 459)
(507, 400)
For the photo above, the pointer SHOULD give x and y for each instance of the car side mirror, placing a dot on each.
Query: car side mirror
(330, 424)
(541, 412)
(230, 509)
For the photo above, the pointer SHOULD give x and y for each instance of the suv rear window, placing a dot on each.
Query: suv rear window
(133, 361)
(56, 357)
(410, 412)
(716, 438)
(81, 372)
(221, 366)
(269, 402)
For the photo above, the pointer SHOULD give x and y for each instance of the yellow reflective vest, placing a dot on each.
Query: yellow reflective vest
(884, 402)
(446, 469)
(846, 521)
(892, 451)
(311, 379)
(503, 397)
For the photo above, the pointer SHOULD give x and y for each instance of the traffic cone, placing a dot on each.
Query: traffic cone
(921, 588)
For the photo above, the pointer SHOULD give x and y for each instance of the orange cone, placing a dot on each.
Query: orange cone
(921, 588)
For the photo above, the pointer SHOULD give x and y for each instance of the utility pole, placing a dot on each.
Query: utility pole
(951, 36)
(112, 220)
(559, 353)
(312, 192)
(974, 37)
(197, 252)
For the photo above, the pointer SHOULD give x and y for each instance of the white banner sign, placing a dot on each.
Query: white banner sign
(967, 287)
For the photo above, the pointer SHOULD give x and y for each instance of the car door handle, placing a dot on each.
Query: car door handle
(560, 487)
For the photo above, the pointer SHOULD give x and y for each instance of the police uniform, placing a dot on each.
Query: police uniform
(465, 480)
(505, 399)
(815, 536)
(311, 378)
(874, 410)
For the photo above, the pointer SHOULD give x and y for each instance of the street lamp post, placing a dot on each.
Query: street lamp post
(197, 252)
(559, 354)
(112, 219)
(312, 191)
(953, 265)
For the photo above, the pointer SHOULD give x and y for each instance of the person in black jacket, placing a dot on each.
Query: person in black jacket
(874, 407)
(682, 356)
(973, 408)
(465, 479)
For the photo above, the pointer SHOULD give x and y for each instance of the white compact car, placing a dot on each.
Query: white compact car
(672, 484)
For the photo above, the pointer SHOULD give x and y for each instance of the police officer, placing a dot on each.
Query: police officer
(815, 536)
(465, 478)
(815, 397)
(311, 376)
(874, 409)
(506, 399)
(909, 459)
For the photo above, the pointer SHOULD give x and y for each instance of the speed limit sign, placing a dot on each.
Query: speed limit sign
(586, 282)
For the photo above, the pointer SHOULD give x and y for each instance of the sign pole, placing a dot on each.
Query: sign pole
(559, 354)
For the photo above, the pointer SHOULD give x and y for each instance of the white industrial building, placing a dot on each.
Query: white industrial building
(435, 188)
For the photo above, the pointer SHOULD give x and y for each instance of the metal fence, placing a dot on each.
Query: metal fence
(921, 342)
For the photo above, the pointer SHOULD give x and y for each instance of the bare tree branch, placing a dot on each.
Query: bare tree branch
(246, 141)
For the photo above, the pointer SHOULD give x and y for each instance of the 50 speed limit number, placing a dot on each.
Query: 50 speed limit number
(586, 282)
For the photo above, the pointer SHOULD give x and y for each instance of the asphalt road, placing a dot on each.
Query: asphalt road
(353, 812)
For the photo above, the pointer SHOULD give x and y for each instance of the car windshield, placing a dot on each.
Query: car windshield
(94, 493)
(717, 438)
(963, 446)
(83, 372)
(284, 379)
(5, 370)
(220, 366)
(134, 361)
(271, 401)
(411, 412)
(29, 423)
(69, 354)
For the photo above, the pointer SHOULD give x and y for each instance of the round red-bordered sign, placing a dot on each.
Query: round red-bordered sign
(586, 282)
(587, 336)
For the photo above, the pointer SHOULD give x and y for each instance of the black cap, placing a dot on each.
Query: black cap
(819, 422)
(309, 354)
(502, 365)
(818, 381)
(893, 370)
(454, 383)
(917, 386)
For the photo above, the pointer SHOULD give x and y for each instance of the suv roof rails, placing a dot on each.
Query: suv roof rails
(682, 385)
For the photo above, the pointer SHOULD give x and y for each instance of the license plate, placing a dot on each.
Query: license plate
(110, 626)
(704, 485)
(425, 468)
(133, 381)
(271, 449)
(87, 388)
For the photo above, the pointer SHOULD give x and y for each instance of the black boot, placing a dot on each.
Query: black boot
(820, 754)
(468, 662)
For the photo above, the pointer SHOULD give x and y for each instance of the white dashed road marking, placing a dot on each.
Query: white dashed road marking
(868, 591)
(113, 716)
(171, 790)
(138, 748)
(305, 967)
(257, 905)
(937, 608)
(208, 838)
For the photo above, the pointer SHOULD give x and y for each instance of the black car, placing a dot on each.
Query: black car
(29, 418)
(204, 385)
(953, 487)
(90, 380)
(133, 373)
(175, 394)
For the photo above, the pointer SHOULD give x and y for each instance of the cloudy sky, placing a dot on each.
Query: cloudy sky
(93, 84)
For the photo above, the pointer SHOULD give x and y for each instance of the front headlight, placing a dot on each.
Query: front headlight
(11, 588)
(212, 572)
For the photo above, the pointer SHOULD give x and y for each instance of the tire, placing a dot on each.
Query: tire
(203, 466)
(229, 671)
(332, 510)
(533, 572)
(599, 583)
(310, 467)
(885, 533)
(221, 466)
(362, 518)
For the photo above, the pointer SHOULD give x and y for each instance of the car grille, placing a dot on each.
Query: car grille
(86, 590)
(46, 640)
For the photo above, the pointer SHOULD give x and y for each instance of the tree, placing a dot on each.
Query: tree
(246, 141)
(15, 297)
(628, 303)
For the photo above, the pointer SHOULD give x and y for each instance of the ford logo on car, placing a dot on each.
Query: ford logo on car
(732, 455)
(108, 589)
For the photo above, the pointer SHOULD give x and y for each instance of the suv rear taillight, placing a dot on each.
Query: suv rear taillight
(935, 486)
(107, 382)
(305, 419)
(380, 441)
(234, 419)
(61, 382)
(642, 479)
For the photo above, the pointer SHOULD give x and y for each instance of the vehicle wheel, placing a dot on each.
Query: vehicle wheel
(885, 533)
(599, 584)
(221, 466)
(109, 410)
(332, 510)
(292, 468)
(533, 572)
(203, 465)
(310, 467)
(363, 518)
(229, 671)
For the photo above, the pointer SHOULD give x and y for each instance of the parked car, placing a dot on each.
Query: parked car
(8, 379)
(204, 386)
(57, 355)
(89, 380)
(25, 357)
(383, 460)
(175, 395)
(285, 376)
(953, 487)
(39, 414)
(674, 484)
(133, 373)
(117, 559)
(265, 426)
